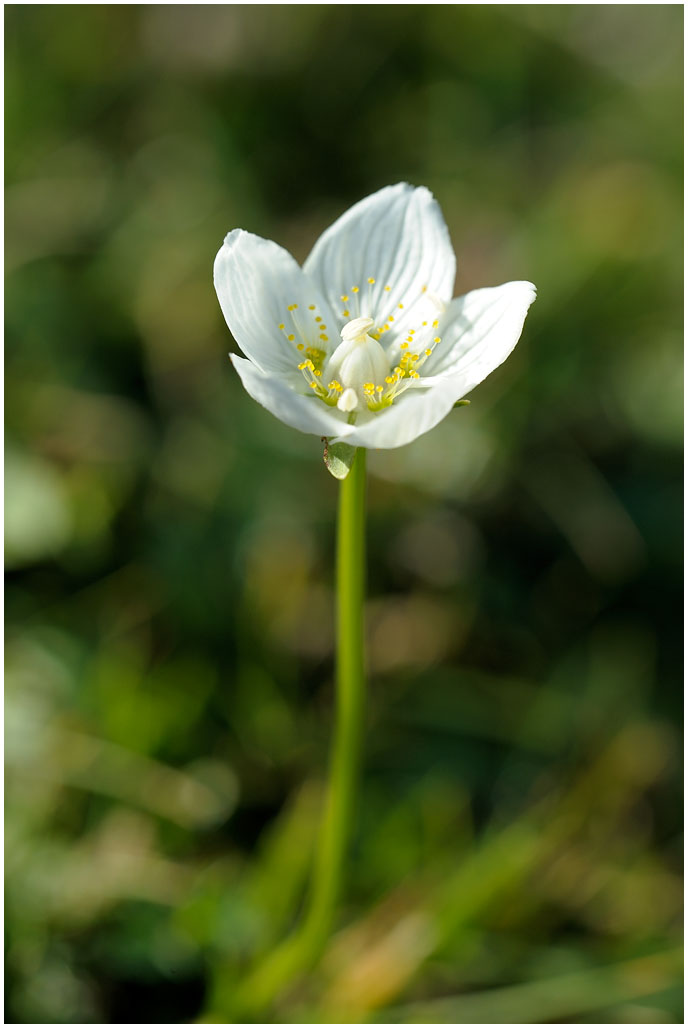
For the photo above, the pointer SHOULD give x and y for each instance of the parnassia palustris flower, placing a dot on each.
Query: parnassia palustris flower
(365, 344)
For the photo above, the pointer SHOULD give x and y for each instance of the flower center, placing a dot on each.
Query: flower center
(359, 362)
(361, 374)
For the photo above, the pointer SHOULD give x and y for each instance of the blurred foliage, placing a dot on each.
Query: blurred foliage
(170, 544)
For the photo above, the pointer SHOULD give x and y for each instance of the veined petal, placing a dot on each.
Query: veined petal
(396, 237)
(486, 325)
(306, 413)
(479, 331)
(260, 288)
(412, 414)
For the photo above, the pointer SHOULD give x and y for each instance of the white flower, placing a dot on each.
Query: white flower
(365, 344)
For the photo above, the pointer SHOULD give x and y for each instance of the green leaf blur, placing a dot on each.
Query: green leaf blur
(169, 543)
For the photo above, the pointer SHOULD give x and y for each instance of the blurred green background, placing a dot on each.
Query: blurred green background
(170, 544)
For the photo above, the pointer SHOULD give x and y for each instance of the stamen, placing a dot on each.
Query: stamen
(382, 394)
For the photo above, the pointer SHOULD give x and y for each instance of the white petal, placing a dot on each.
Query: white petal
(256, 280)
(488, 323)
(479, 331)
(398, 237)
(306, 413)
(412, 414)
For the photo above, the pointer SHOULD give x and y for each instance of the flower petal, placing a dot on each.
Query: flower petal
(487, 324)
(397, 237)
(306, 413)
(412, 414)
(479, 331)
(256, 281)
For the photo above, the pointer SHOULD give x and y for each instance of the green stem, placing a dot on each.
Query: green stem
(304, 947)
(349, 686)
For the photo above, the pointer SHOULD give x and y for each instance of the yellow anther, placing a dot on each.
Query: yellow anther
(281, 325)
(391, 319)
(436, 339)
(318, 318)
(291, 337)
(401, 306)
(345, 314)
(318, 372)
(424, 323)
(323, 336)
(414, 375)
(387, 289)
(312, 307)
(388, 379)
(313, 385)
(435, 324)
(335, 385)
(344, 298)
(412, 332)
(355, 289)
(379, 389)
(303, 365)
(368, 386)
(428, 353)
(424, 288)
(300, 346)
(371, 282)
(403, 346)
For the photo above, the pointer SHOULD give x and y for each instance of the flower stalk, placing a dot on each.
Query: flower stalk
(304, 947)
(349, 685)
